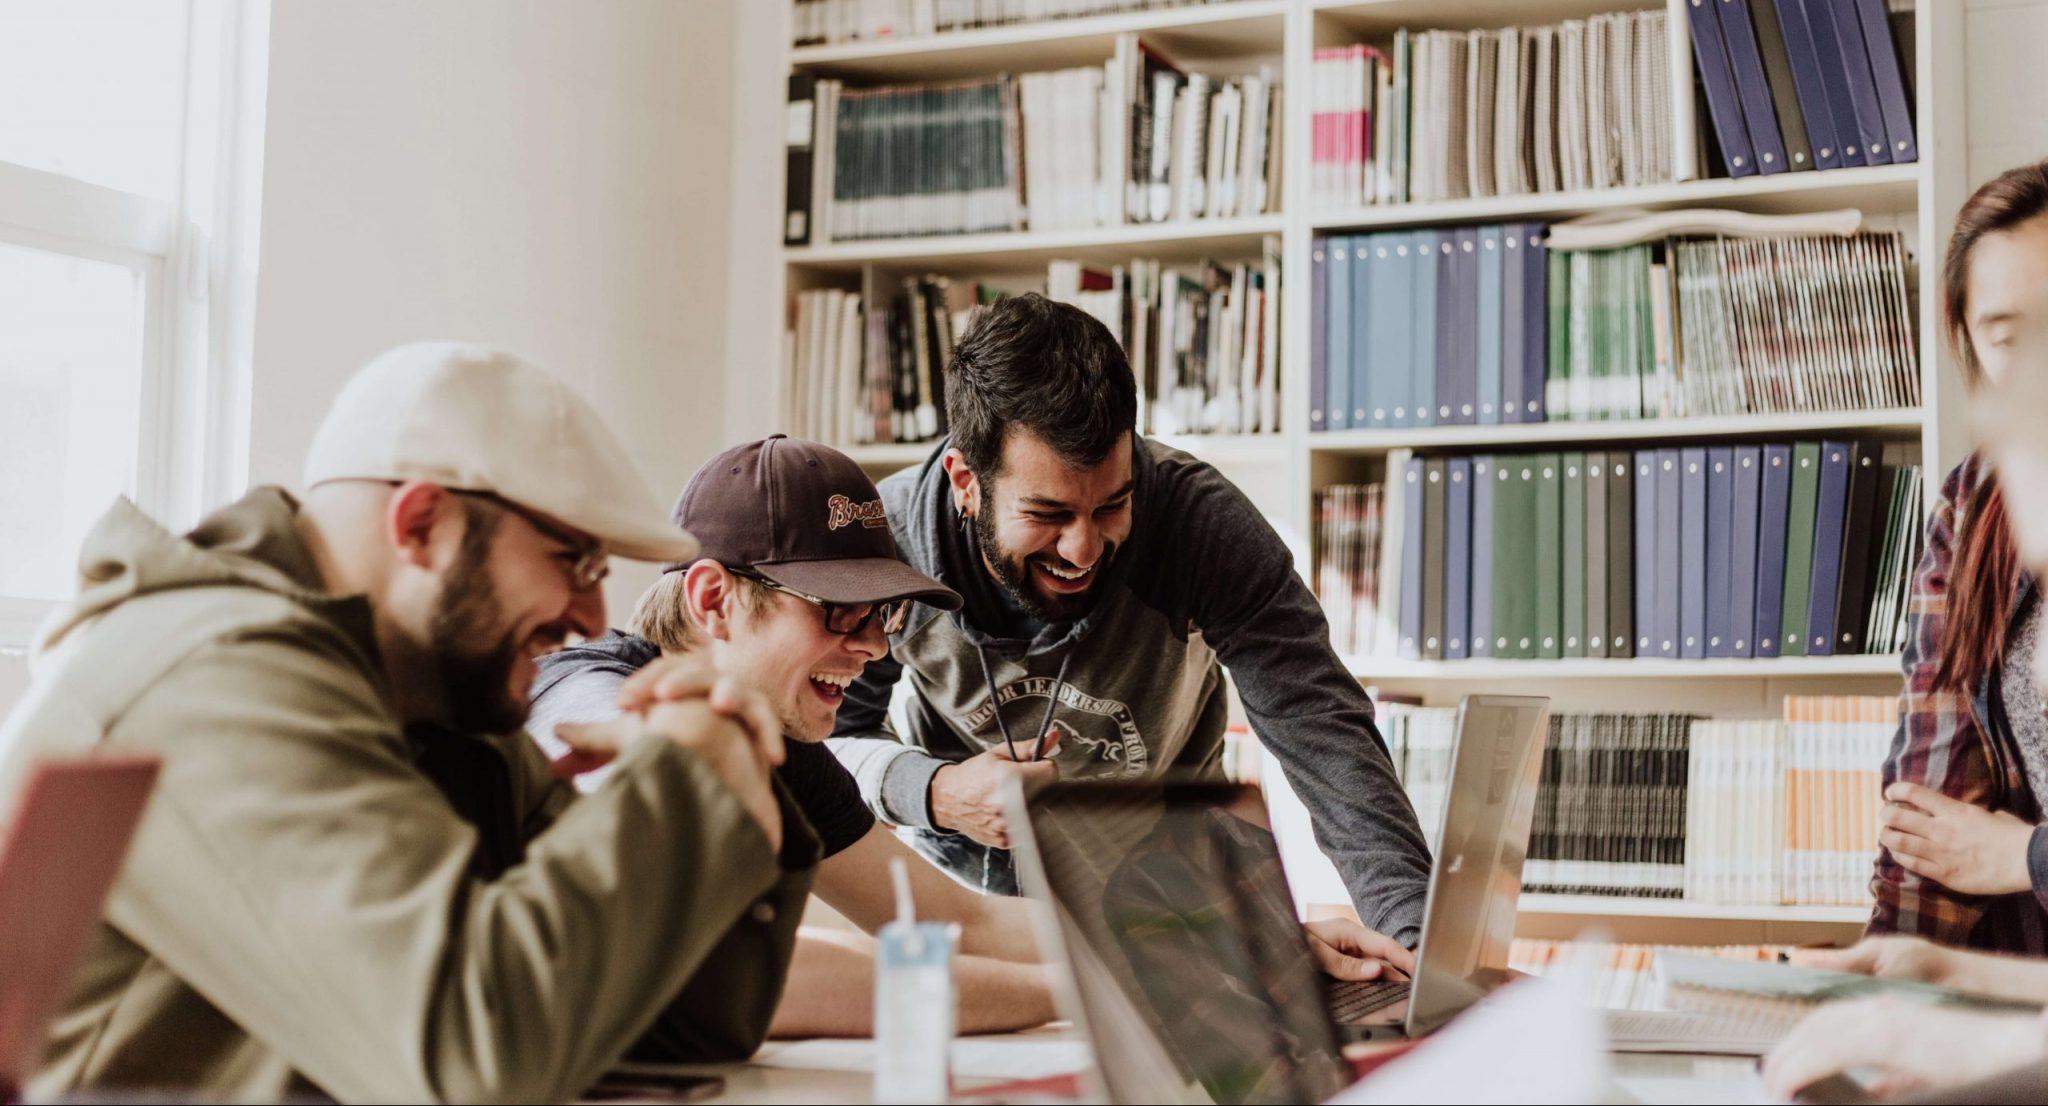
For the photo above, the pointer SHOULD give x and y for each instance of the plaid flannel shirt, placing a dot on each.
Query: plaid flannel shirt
(1960, 746)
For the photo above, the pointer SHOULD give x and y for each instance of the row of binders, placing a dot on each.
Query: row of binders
(1774, 811)
(1135, 140)
(1447, 115)
(1728, 551)
(1488, 325)
(1203, 339)
(1792, 85)
(832, 21)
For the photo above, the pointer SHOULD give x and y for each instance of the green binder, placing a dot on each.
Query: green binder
(1799, 548)
(1549, 552)
(1514, 569)
(1574, 556)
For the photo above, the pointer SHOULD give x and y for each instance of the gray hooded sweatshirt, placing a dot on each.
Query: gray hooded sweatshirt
(1202, 583)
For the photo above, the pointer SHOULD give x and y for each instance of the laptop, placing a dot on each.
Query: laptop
(60, 851)
(1189, 969)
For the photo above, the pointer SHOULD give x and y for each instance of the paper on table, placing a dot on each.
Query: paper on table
(1537, 1041)
(1029, 1056)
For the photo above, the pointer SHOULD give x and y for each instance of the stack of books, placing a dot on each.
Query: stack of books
(831, 21)
(1611, 807)
(1794, 85)
(1722, 551)
(1785, 811)
(1348, 523)
(1769, 812)
(1135, 140)
(1203, 339)
(1489, 325)
(855, 375)
(1448, 115)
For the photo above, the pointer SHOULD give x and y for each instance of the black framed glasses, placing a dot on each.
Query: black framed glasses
(843, 618)
(592, 561)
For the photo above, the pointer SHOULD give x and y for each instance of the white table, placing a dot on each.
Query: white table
(842, 1071)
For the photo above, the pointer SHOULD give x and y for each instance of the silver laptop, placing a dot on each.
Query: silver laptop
(1189, 970)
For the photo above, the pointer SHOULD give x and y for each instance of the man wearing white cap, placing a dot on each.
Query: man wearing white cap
(357, 877)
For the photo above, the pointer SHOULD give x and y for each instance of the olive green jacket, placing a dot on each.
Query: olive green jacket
(307, 910)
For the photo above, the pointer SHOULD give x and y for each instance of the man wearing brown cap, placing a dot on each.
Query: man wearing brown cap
(357, 878)
(795, 589)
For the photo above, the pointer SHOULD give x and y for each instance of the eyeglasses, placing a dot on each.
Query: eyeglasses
(844, 618)
(592, 560)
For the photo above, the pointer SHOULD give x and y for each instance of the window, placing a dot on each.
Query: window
(130, 139)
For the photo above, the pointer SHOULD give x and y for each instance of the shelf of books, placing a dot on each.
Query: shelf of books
(1588, 346)
(947, 40)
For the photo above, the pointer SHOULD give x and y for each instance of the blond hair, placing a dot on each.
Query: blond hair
(662, 613)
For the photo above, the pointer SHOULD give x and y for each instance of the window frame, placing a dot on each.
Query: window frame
(196, 256)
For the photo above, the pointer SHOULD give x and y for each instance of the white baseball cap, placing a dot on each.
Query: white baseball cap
(472, 418)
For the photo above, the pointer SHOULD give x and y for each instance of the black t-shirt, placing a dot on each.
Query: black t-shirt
(581, 684)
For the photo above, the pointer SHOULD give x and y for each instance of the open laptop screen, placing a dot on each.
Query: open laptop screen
(1178, 920)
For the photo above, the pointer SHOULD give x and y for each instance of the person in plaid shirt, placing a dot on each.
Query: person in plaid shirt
(1964, 860)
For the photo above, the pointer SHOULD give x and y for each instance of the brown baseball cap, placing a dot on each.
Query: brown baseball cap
(805, 516)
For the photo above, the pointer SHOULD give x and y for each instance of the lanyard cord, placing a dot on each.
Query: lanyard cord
(1059, 684)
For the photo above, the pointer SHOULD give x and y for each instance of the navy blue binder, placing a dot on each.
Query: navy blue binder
(1774, 504)
(1724, 106)
(1742, 569)
(1862, 85)
(1458, 557)
(1893, 101)
(1465, 277)
(1512, 317)
(1692, 553)
(1535, 318)
(1428, 259)
(1647, 589)
(1364, 352)
(1490, 332)
(1479, 639)
(1720, 550)
(1814, 108)
(1337, 402)
(1830, 512)
(1411, 559)
(1319, 336)
(1433, 559)
(1670, 502)
(1834, 78)
(1752, 87)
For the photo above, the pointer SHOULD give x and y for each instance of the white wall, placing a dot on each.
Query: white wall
(2002, 40)
(549, 177)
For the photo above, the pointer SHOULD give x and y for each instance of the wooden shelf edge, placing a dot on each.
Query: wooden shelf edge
(1565, 431)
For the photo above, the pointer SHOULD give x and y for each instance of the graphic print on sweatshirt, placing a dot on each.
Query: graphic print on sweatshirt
(1100, 733)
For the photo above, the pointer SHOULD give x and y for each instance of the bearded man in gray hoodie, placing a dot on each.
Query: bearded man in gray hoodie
(1107, 580)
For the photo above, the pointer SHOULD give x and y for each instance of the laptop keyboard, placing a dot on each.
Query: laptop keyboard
(1353, 999)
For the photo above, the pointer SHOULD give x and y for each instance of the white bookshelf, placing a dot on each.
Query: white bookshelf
(1283, 471)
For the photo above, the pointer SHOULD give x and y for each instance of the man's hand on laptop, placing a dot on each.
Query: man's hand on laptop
(1347, 950)
(968, 797)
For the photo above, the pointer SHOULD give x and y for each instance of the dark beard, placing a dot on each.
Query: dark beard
(472, 656)
(1015, 576)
